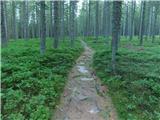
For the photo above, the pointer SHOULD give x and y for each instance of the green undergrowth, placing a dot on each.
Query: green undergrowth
(32, 83)
(135, 89)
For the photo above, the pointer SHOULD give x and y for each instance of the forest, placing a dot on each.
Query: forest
(80, 60)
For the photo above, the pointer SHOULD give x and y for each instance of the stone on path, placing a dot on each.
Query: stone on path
(82, 69)
(94, 110)
(86, 79)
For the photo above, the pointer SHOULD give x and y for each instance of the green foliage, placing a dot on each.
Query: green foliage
(41, 113)
(32, 83)
(16, 116)
(135, 90)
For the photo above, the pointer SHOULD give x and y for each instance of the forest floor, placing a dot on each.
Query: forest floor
(83, 97)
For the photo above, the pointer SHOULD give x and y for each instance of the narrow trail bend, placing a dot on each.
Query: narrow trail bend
(80, 100)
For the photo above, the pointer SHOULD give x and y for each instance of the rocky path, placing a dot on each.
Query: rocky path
(80, 100)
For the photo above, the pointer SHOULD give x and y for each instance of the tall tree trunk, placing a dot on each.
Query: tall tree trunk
(106, 18)
(89, 19)
(132, 19)
(72, 22)
(21, 21)
(25, 19)
(3, 25)
(150, 20)
(62, 20)
(56, 24)
(126, 21)
(115, 30)
(97, 20)
(142, 23)
(86, 17)
(155, 22)
(14, 30)
(51, 19)
(42, 27)
(37, 21)
(6, 20)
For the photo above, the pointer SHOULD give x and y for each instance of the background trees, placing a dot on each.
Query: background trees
(89, 19)
(42, 27)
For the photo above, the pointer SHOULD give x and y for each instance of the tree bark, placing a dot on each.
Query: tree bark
(56, 24)
(3, 25)
(62, 20)
(126, 21)
(132, 19)
(25, 19)
(115, 30)
(14, 30)
(42, 28)
(72, 22)
(142, 23)
(97, 20)
(155, 22)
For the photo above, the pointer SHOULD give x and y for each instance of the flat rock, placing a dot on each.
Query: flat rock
(82, 69)
(94, 110)
(86, 79)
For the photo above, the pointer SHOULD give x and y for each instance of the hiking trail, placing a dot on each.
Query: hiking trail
(81, 99)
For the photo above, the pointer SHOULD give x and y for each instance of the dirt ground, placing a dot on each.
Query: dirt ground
(83, 97)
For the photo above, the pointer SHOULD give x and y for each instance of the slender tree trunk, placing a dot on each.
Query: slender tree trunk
(104, 26)
(142, 23)
(21, 20)
(62, 20)
(72, 22)
(42, 27)
(89, 19)
(25, 19)
(51, 20)
(6, 21)
(33, 24)
(3, 25)
(154, 23)
(150, 21)
(132, 19)
(97, 20)
(126, 21)
(14, 20)
(86, 19)
(37, 21)
(140, 20)
(106, 18)
(117, 5)
(56, 24)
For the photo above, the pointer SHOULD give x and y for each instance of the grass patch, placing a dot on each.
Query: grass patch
(32, 83)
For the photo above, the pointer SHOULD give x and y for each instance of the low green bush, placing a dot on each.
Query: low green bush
(32, 83)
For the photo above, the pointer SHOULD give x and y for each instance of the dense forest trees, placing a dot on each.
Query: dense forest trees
(136, 16)
(58, 19)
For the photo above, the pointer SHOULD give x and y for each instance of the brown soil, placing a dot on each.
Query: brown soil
(83, 97)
